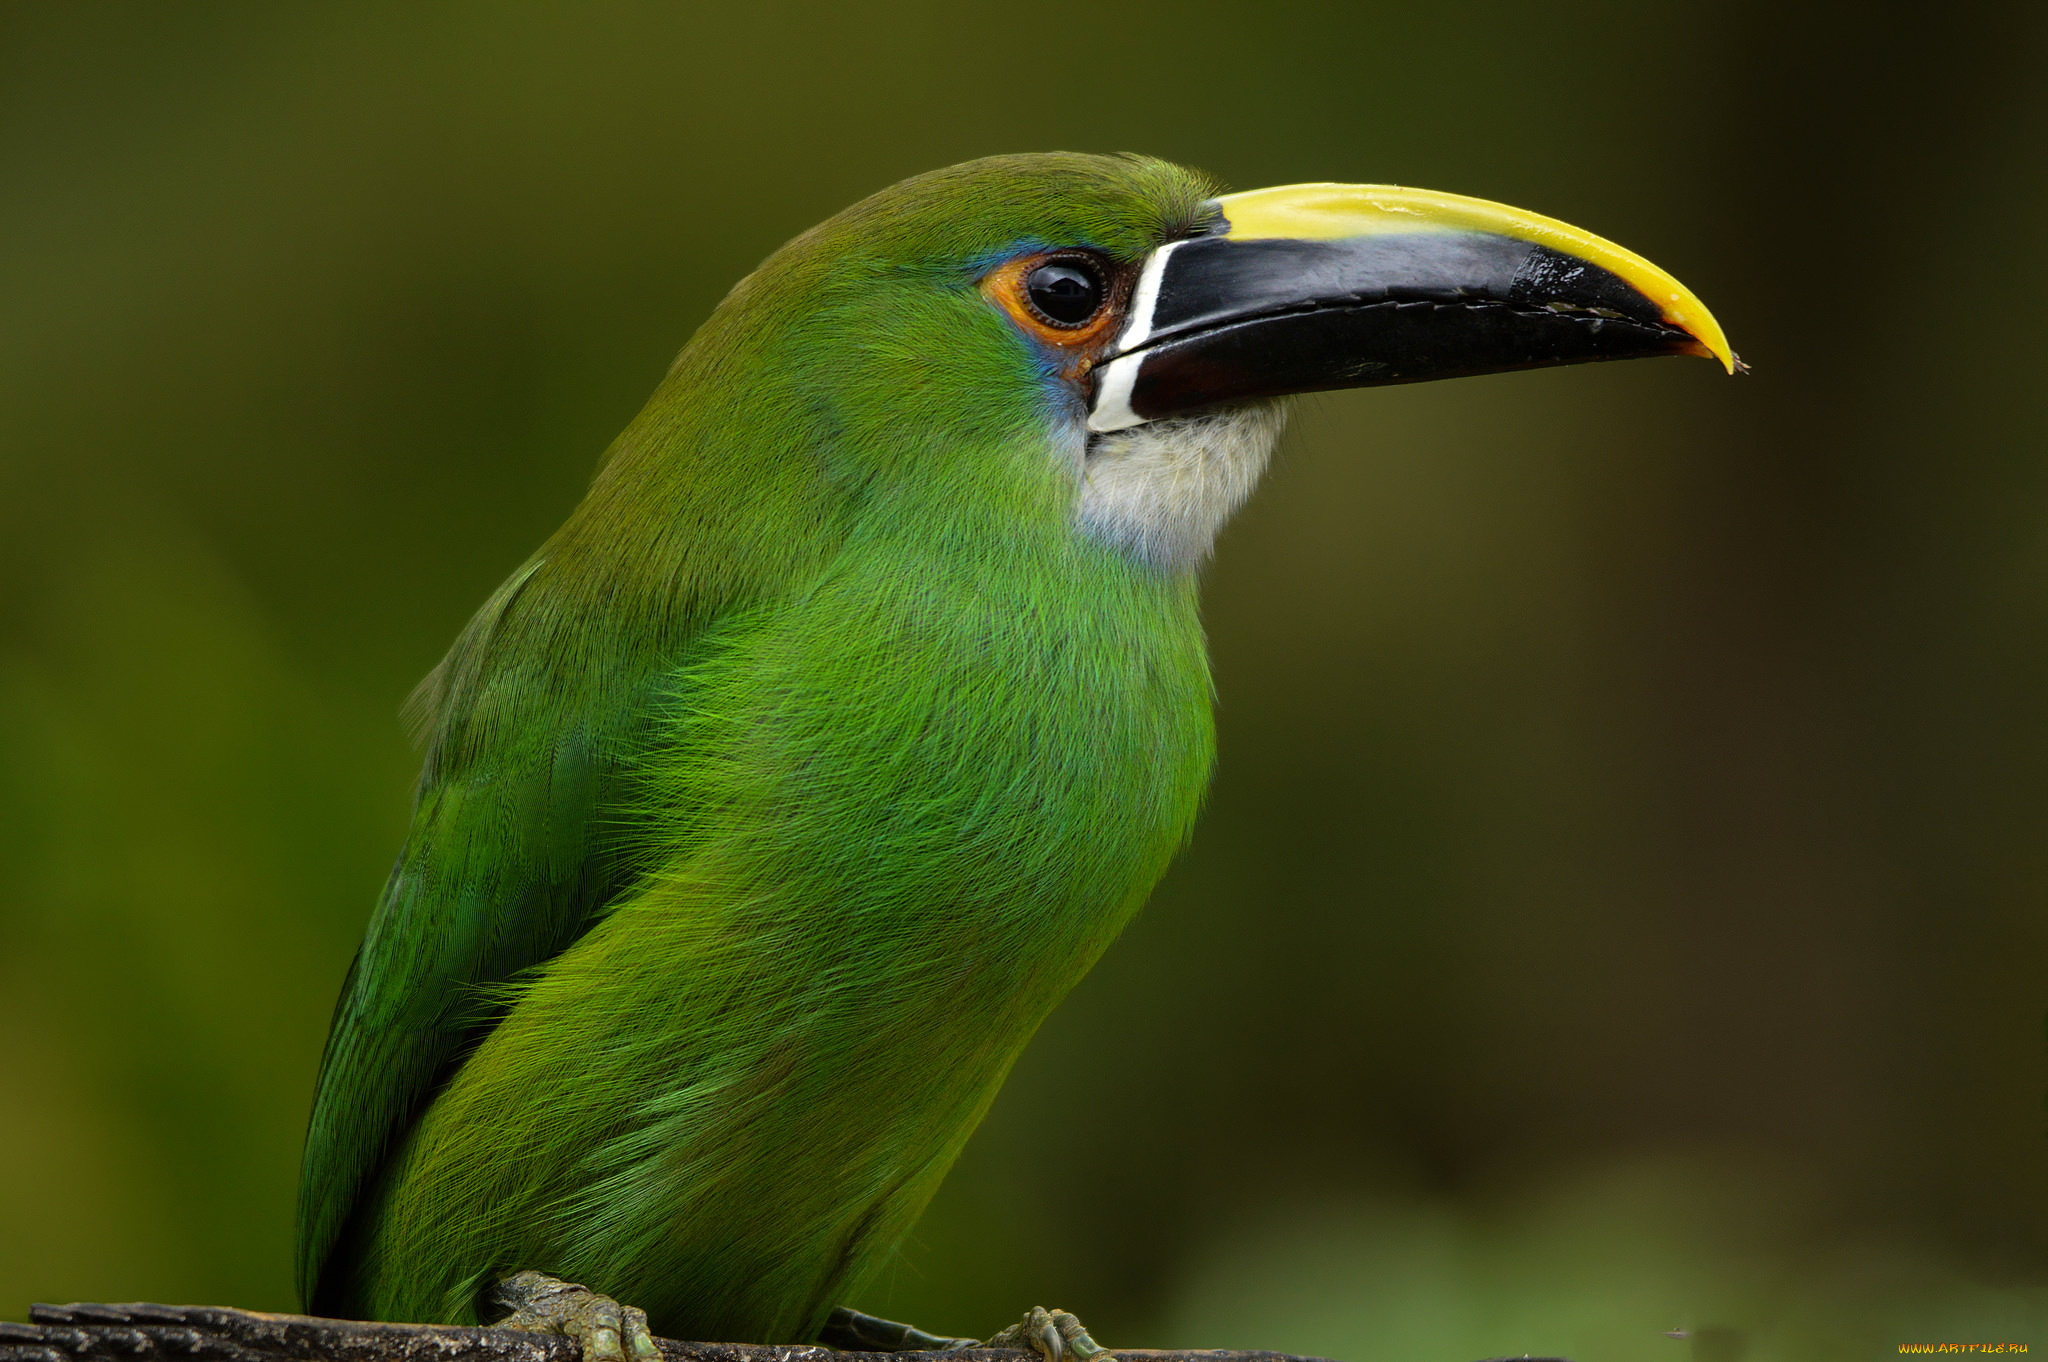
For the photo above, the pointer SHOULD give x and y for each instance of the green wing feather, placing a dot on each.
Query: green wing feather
(539, 719)
(514, 850)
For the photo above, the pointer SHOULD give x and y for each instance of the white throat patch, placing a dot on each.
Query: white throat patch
(1161, 490)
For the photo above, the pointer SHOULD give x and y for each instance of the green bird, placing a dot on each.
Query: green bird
(769, 808)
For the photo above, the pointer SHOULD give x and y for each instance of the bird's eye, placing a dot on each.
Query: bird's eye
(1065, 292)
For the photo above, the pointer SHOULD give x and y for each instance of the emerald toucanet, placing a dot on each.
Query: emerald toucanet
(773, 803)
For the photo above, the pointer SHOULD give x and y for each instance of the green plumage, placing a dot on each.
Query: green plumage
(772, 805)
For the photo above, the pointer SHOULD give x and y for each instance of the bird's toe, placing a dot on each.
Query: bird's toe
(608, 1331)
(1054, 1335)
(639, 1338)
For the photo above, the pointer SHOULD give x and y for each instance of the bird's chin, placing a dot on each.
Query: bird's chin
(1159, 492)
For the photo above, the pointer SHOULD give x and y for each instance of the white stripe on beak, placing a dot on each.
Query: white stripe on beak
(1145, 298)
(1113, 383)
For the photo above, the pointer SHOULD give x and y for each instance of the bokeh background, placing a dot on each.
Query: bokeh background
(1623, 904)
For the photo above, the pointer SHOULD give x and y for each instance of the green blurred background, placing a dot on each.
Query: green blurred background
(1623, 904)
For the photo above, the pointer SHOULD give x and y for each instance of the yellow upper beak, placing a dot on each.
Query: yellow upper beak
(1328, 212)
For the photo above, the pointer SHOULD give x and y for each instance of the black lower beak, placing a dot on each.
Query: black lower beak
(1232, 320)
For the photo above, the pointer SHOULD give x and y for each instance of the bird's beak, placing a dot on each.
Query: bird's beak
(1315, 286)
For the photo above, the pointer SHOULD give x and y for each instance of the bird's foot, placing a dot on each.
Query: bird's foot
(1053, 1334)
(608, 1331)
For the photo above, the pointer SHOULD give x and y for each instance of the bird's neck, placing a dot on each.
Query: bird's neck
(1159, 492)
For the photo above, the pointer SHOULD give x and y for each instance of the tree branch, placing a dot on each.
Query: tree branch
(204, 1333)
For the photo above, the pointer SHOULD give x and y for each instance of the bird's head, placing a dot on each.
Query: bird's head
(1106, 342)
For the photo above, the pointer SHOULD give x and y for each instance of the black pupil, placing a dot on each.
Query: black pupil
(1066, 292)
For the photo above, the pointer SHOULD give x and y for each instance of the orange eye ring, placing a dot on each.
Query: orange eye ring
(1006, 286)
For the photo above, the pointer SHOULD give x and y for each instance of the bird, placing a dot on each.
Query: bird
(773, 803)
